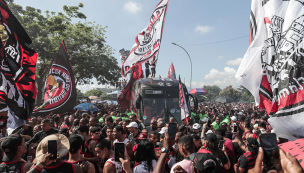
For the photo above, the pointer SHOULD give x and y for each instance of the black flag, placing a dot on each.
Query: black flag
(60, 88)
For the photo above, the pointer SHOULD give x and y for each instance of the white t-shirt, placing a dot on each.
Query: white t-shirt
(125, 141)
(141, 167)
(117, 165)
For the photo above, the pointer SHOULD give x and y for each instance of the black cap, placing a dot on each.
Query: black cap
(76, 141)
(252, 144)
(211, 137)
(9, 146)
(204, 162)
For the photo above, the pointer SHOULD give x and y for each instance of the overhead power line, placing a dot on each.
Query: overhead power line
(217, 41)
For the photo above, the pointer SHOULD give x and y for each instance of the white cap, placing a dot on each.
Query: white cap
(240, 113)
(196, 126)
(236, 109)
(209, 131)
(132, 124)
(163, 130)
(233, 118)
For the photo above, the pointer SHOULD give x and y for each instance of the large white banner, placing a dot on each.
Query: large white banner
(148, 40)
(273, 66)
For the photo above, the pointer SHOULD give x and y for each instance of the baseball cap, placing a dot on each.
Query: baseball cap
(233, 118)
(204, 162)
(76, 141)
(9, 146)
(133, 124)
(163, 130)
(211, 137)
(252, 144)
(196, 126)
(142, 136)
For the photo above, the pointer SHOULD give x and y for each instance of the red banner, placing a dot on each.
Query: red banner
(125, 95)
(171, 72)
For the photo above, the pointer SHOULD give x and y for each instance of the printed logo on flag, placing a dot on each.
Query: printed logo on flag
(57, 87)
(148, 40)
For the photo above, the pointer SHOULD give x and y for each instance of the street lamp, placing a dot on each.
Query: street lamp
(189, 59)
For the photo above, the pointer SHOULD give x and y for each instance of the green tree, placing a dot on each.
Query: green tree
(230, 92)
(85, 41)
(79, 93)
(93, 92)
(213, 91)
(246, 94)
(104, 96)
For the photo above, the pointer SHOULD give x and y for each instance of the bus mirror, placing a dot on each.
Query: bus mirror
(138, 100)
(195, 101)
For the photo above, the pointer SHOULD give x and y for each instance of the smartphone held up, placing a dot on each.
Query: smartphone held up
(119, 151)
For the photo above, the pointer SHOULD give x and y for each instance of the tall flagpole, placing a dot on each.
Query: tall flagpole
(190, 62)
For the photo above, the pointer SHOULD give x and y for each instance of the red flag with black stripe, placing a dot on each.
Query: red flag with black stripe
(17, 66)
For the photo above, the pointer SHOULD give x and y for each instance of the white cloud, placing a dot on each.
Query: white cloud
(132, 7)
(235, 62)
(195, 84)
(220, 57)
(203, 29)
(215, 74)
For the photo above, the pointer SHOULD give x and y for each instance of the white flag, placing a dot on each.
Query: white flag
(148, 40)
(273, 66)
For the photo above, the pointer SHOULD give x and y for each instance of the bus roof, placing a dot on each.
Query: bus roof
(159, 82)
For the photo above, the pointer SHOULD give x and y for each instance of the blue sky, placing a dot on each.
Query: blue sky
(188, 23)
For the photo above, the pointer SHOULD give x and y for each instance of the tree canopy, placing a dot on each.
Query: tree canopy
(93, 92)
(213, 91)
(246, 94)
(230, 92)
(88, 52)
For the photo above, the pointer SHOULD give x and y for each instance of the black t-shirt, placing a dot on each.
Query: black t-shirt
(40, 135)
(64, 167)
(15, 167)
(28, 132)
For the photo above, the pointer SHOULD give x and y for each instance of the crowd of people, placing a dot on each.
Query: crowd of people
(86, 143)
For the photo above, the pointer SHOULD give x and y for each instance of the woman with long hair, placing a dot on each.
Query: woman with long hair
(145, 157)
(211, 145)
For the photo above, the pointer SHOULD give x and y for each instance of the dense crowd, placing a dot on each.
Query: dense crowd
(86, 140)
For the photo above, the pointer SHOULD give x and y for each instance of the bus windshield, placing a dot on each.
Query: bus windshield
(156, 107)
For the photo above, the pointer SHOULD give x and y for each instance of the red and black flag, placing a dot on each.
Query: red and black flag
(125, 95)
(17, 68)
(171, 72)
(60, 88)
(183, 103)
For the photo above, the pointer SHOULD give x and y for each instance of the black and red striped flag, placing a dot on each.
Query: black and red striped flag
(17, 66)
